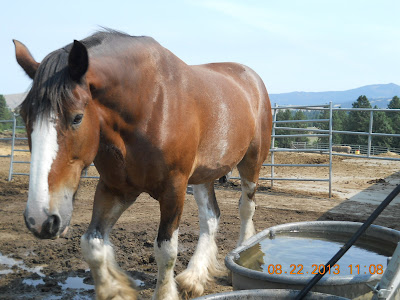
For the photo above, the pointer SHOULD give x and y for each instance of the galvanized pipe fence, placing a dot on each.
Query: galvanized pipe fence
(14, 149)
(303, 132)
(367, 152)
(5, 139)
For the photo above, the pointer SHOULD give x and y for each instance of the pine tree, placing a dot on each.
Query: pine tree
(285, 115)
(358, 121)
(394, 119)
(339, 119)
(299, 115)
(5, 113)
(382, 124)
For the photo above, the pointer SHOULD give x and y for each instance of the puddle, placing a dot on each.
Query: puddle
(10, 263)
(139, 282)
(33, 282)
(5, 272)
(76, 283)
(65, 285)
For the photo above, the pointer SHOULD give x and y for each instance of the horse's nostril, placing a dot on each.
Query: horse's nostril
(51, 226)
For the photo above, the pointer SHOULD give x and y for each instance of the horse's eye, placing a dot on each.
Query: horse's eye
(77, 119)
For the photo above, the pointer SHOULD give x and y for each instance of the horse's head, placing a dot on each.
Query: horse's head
(63, 134)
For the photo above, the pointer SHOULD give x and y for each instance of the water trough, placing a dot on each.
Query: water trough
(267, 294)
(288, 256)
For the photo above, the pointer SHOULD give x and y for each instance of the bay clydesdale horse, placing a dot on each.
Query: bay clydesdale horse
(150, 123)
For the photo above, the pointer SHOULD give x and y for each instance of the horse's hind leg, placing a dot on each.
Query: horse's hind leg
(249, 169)
(110, 281)
(203, 266)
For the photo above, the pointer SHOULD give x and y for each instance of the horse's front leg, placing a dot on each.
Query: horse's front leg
(110, 281)
(166, 243)
(203, 265)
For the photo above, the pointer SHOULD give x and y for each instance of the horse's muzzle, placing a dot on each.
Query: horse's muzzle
(50, 228)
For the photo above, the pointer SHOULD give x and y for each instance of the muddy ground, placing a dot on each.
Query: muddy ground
(54, 269)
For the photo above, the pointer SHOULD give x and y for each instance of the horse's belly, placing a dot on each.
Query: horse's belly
(210, 167)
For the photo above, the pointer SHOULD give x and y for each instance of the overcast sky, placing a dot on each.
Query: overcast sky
(307, 45)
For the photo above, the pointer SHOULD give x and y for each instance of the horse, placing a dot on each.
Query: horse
(151, 124)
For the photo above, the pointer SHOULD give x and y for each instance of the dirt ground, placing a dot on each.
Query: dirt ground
(54, 269)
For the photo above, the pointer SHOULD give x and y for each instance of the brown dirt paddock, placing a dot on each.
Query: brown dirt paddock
(358, 187)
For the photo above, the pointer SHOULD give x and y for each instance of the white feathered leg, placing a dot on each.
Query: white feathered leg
(203, 265)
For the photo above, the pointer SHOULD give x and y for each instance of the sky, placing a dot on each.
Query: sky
(307, 45)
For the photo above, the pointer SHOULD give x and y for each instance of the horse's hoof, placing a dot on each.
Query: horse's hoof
(189, 285)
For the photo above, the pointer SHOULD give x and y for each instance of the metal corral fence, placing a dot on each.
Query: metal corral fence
(365, 151)
(354, 149)
(303, 132)
(5, 139)
(14, 149)
(13, 139)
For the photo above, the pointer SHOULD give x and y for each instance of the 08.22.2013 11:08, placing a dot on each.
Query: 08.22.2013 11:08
(322, 269)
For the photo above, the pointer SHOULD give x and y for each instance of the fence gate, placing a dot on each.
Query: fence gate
(303, 132)
(14, 149)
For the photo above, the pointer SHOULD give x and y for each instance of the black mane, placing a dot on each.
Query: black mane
(52, 87)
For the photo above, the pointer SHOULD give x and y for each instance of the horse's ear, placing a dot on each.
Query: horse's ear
(25, 59)
(78, 61)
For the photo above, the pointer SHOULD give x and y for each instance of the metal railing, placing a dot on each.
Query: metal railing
(366, 151)
(13, 149)
(13, 139)
(5, 139)
(307, 132)
(370, 134)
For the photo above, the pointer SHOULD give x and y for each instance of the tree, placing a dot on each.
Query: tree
(394, 103)
(299, 115)
(5, 113)
(339, 119)
(285, 115)
(381, 124)
(394, 119)
(358, 121)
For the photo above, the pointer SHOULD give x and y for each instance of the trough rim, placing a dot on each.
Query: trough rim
(376, 231)
(266, 292)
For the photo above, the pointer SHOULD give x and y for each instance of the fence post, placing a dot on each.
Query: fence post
(371, 121)
(330, 147)
(10, 172)
(273, 145)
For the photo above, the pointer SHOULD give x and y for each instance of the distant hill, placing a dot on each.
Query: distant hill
(377, 94)
(13, 100)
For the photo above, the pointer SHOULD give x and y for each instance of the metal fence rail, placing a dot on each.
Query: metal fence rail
(5, 139)
(308, 132)
(13, 149)
(365, 151)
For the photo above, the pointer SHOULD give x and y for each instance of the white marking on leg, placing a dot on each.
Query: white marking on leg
(204, 264)
(247, 207)
(166, 256)
(110, 281)
(44, 151)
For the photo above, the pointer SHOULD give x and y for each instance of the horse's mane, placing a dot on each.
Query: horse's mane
(51, 90)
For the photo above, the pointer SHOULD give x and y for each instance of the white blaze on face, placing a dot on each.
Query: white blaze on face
(44, 151)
